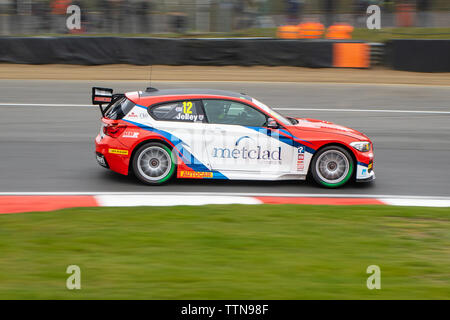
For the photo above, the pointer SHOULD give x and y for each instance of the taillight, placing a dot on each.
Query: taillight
(113, 129)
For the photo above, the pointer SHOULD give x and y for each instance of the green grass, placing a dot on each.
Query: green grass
(227, 252)
(400, 33)
(359, 34)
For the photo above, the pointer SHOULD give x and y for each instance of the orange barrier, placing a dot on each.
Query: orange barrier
(77, 31)
(287, 32)
(351, 55)
(60, 6)
(339, 31)
(404, 15)
(310, 30)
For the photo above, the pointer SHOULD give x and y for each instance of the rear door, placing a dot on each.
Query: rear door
(183, 123)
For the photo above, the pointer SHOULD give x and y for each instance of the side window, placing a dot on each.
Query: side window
(119, 109)
(231, 112)
(187, 110)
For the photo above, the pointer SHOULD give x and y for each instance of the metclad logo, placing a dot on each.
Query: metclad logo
(257, 153)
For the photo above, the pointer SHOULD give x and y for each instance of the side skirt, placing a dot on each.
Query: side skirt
(233, 175)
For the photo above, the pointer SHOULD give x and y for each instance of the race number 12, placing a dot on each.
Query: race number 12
(187, 107)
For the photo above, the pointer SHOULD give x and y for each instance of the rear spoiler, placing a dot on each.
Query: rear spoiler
(101, 96)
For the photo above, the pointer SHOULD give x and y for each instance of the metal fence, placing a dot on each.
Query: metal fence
(32, 17)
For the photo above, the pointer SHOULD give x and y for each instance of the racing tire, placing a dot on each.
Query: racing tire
(332, 167)
(154, 163)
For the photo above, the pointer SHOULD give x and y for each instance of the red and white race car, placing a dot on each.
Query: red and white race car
(214, 134)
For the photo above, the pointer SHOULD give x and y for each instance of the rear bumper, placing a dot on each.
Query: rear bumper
(101, 160)
(111, 154)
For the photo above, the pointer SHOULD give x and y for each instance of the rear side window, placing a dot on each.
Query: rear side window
(119, 109)
(187, 111)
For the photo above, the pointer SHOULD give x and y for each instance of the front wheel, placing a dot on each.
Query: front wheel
(154, 163)
(332, 167)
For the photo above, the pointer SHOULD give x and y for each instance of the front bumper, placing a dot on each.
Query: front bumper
(365, 172)
(368, 179)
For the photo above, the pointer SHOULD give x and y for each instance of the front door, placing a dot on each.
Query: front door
(237, 139)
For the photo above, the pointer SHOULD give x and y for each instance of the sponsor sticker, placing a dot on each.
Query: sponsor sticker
(195, 174)
(118, 151)
(131, 134)
(258, 153)
(102, 99)
(132, 115)
(301, 158)
(189, 117)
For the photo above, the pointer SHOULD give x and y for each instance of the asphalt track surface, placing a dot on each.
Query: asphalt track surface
(48, 145)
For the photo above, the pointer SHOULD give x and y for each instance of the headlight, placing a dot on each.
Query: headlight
(362, 146)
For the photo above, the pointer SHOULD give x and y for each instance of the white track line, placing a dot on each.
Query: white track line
(226, 194)
(416, 202)
(4, 104)
(170, 200)
(129, 199)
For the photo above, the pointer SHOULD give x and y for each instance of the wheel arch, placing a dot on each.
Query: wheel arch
(338, 144)
(140, 144)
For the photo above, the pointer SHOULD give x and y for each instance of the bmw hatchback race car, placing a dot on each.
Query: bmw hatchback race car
(213, 134)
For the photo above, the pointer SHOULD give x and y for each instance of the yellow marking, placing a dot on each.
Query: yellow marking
(187, 107)
(118, 151)
(195, 175)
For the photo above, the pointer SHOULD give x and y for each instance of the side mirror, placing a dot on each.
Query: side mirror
(272, 124)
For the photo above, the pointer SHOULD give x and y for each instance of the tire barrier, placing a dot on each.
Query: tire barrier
(419, 55)
(315, 30)
(339, 31)
(287, 32)
(149, 51)
(310, 30)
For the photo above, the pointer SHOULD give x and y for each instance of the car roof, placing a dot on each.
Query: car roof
(193, 91)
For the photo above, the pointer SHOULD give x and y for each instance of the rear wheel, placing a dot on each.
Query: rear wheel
(154, 163)
(332, 167)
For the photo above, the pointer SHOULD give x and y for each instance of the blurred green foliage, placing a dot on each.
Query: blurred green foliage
(358, 34)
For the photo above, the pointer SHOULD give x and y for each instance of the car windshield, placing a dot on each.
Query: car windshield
(275, 115)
